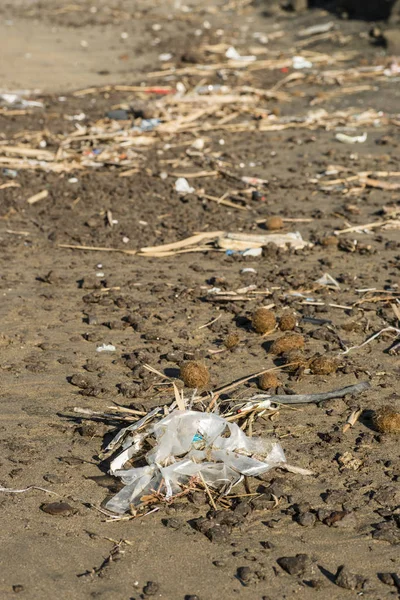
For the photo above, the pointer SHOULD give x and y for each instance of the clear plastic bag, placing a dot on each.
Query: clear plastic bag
(188, 444)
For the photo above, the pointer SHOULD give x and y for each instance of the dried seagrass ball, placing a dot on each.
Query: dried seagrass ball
(387, 420)
(268, 380)
(287, 342)
(274, 223)
(263, 320)
(288, 321)
(194, 374)
(231, 341)
(296, 360)
(324, 365)
(329, 241)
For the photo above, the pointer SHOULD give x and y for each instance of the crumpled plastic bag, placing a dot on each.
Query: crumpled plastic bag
(188, 444)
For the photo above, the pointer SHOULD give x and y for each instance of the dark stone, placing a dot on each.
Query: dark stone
(295, 565)
(267, 545)
(322, 514)
(80, 381)
(219, 563)
(151, 588)
(172, 523)
(348, 580)
(392, 579)
(391, 535)
(57, 508)
(51, 478)
(219, 534)
(306, 519)
(245, 574)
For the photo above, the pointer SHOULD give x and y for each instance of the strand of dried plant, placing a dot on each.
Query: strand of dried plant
(371, 338)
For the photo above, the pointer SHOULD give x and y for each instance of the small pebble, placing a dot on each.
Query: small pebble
(295, 565)
(151, 588)
(57, 508)
(348, 580)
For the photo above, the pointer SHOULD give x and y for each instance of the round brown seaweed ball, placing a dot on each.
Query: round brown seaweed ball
(387, 420)
(288, 321)
(324, 365)
(231, 341)
(287, 342)
(330, 241)
(296, 360)
(194, 374)
(268, 380)
(263, 320)
(274, 223)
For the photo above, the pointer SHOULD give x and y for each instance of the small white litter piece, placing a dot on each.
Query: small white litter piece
(329, 281)
(187, 444)
(106, 348)
(233, 54)
(248, 270)
(316, 29)
(299, 62)
(182, 186)
(254, 252)
(351, 139)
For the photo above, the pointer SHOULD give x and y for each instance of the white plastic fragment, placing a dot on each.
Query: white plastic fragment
(106, 348)
(328, 280)
(299, 62)
(190, 444)
(316, 29)
(16, 99)
(252, 252)
(248, 270)
(233, 54)
(182, 186)
(198, 144)
(351, 139)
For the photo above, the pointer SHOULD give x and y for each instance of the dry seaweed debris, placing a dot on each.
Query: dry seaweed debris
(214, 240)
(387, 419)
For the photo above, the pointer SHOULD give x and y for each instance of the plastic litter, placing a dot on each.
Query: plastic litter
(252, 252)
(248, 270)
(299, 62)
(316, 29)
(10, 173)
(188, 444)
(106, 348)
(15, 99)
(233, 54)
(165, 56)
(182, 186)
(351, 139)
(249, 241)
(329, 281)
(147, 125)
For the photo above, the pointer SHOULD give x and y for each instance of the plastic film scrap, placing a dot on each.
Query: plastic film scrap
(187, 444)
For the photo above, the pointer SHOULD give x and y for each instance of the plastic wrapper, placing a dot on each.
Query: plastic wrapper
(189, 444)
